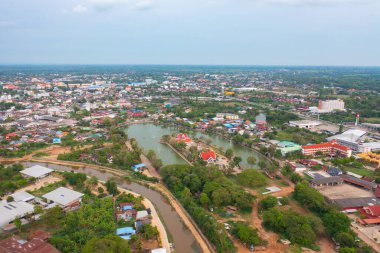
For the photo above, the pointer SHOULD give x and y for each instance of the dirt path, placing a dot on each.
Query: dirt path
(151, 170)
(40, 183)
(366, 239)
(273, 246)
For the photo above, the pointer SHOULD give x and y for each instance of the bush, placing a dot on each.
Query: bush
(252, 178)
(267, 203)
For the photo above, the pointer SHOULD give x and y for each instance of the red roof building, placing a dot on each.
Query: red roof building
(331, 147)
(10, 87)
(184, 138)
(208, 156)
(371, 212)
(37, 244)
(10, 136)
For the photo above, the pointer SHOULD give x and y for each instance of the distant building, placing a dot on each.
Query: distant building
(351, 138)
(288, 147)
(297, 167)
(184, 138)
(329, 148)
(229, 116)
(261, 121)
(326, 181)
(331, 105)
(208, 156)
(308, 124)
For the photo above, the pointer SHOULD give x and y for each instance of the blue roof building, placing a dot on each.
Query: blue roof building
(137, 167)
(56, 140)
(125, 232)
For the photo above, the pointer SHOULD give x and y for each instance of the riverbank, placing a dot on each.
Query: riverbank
(202, 241)
(156, 221)
(198, 132)
(177, 152)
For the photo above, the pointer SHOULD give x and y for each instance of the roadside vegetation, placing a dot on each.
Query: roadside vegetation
(201, 189)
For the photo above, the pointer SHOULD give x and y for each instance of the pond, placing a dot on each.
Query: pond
(148, 137)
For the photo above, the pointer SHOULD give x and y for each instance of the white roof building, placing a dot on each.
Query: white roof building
(63, 196)
(160, 250)
(350, 138)
(22, 196)
(304, 123)
(36, 171)
(141, 215)
(9, 211)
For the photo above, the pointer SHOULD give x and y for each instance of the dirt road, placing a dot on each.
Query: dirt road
(152, 171)
(272, 238)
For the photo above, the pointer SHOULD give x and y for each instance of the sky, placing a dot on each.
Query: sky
(216, 32)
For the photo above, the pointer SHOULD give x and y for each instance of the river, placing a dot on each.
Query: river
(148, 137)
(184, 241)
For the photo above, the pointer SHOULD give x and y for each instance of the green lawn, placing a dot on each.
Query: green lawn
(361, 172)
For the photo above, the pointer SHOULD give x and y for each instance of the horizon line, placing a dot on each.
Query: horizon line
(189, 65)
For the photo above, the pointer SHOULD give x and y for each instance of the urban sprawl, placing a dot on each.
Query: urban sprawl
(189, 159)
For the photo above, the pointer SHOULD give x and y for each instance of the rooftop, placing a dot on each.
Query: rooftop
(11, 210)
(63, 196)
(36, 171)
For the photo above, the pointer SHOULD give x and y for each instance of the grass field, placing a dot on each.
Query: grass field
(361, 172)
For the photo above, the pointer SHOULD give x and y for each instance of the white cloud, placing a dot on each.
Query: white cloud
(105, 5)
(318, 2)
(79, 8)
(144, 5)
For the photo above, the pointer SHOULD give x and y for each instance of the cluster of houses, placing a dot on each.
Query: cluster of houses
(206, 154)
(22, 204)
(126, 212)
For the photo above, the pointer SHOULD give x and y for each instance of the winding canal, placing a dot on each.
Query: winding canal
(184, 241)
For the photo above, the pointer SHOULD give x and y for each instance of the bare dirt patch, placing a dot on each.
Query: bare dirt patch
(343, 191)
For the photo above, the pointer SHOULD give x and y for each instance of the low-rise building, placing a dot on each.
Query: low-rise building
(36, 243)
(36, 171)
(288, 147)
(327, 148)
(64, 197)
(9, 211)
(308, 124)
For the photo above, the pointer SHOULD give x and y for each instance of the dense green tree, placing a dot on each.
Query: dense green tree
(18, 224)
(229, 153)
(107, 244)
(247, 234)
(267, 203)
(251, 178)
(112, 187)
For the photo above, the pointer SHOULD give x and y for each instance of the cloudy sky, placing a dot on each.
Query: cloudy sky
(246, 32)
